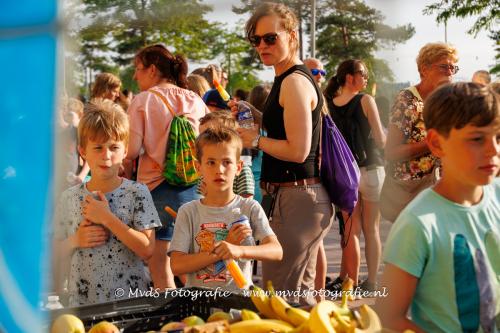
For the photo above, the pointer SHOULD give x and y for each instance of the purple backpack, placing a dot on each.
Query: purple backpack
(339, 170)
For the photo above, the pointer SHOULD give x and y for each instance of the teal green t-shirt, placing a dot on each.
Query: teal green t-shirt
(454, 251)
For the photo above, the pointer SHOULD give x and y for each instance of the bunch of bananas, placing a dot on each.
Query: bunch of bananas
(325, 317)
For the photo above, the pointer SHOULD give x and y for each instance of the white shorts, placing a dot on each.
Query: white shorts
(371, 183)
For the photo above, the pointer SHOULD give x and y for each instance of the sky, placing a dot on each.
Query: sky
(474, 52)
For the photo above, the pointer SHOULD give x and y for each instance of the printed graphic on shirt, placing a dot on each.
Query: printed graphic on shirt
(209, 234)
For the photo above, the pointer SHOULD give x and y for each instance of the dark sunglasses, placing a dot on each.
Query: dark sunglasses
(445, 68)
(269, 38)
(316, 71)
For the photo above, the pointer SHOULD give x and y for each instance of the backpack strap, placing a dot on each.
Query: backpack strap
(164, 101)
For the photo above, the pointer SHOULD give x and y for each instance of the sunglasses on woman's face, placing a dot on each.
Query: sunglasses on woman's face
(269, 38)
(316, 71)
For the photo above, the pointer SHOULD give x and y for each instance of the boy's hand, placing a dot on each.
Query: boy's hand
(225, 250)
(90, 235)
(96, 211)
(238, 233)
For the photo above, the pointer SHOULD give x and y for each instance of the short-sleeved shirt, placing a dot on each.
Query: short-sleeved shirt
(198, 227)
(407, 116)
(150, 122)
(454, 251)
(243, 183)
(95, 273)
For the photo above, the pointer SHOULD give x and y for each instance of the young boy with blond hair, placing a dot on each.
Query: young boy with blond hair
(105, 227)
(203, 234)
(443, 252)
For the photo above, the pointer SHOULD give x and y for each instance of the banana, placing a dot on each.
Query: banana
(347, 291)
(296, 316)
(303, 328)
(262, 302)
(249, 315)
(260, 326)
(279, 306)
(370, 322)
(320, 321)
(344, 323)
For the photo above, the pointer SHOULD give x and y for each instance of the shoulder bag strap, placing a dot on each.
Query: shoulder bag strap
(164, 101)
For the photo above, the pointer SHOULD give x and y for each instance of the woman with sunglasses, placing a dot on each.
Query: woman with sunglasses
(160, 73)
(300, 210)
(357, 118)
(410, 164)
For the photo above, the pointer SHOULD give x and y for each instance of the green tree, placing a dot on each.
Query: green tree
(111, 31)
(237, 59)
(352, 29)
(486, 11)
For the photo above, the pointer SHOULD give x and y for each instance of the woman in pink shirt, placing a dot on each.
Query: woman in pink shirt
(159, 70)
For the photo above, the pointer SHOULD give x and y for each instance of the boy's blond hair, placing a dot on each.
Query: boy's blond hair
(458, 104)
(102, 121)
(220, 118)
(217, 135)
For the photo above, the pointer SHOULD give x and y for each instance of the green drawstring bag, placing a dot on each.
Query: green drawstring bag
(179, 168)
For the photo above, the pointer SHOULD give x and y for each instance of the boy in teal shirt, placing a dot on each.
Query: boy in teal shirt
(443, 252)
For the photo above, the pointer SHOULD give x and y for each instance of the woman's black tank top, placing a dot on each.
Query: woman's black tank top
(275, 170)
(354, 126)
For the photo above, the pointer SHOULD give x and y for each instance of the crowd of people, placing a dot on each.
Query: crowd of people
(431, 168)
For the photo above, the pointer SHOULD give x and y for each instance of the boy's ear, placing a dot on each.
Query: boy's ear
(197, 165)
(239, 166)
(434, 142)
(81, 151)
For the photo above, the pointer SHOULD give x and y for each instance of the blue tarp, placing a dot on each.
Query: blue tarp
(28, 43)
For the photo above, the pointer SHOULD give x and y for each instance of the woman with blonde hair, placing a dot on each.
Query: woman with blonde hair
(300, 210)
(410, 165)
(160, 73)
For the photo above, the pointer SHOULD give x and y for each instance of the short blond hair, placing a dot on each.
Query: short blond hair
(218, 135)
(432, 52)
(220, 118)
(103, 120)
(104, 83)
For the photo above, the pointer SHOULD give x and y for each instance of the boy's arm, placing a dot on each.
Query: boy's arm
(86, 236)
(183, 263)
(140, 242)
(400, 291)
(269, 249)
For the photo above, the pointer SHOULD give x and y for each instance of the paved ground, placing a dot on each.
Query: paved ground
(334, 254)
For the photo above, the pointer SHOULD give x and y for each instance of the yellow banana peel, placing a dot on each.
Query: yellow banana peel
(279, 306)
(249, 315)
(260, 326)
(262, 302)
(297, 316)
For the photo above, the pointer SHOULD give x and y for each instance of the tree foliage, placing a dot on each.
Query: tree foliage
(351, 29)
(110, 32)
(486, 11)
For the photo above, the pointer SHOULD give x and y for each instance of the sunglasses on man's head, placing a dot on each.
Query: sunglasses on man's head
(316, 71)
(269, 38)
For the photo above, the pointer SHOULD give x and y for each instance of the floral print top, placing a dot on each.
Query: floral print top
(407, 115)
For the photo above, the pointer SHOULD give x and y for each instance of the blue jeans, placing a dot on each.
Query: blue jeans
(174, 197)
